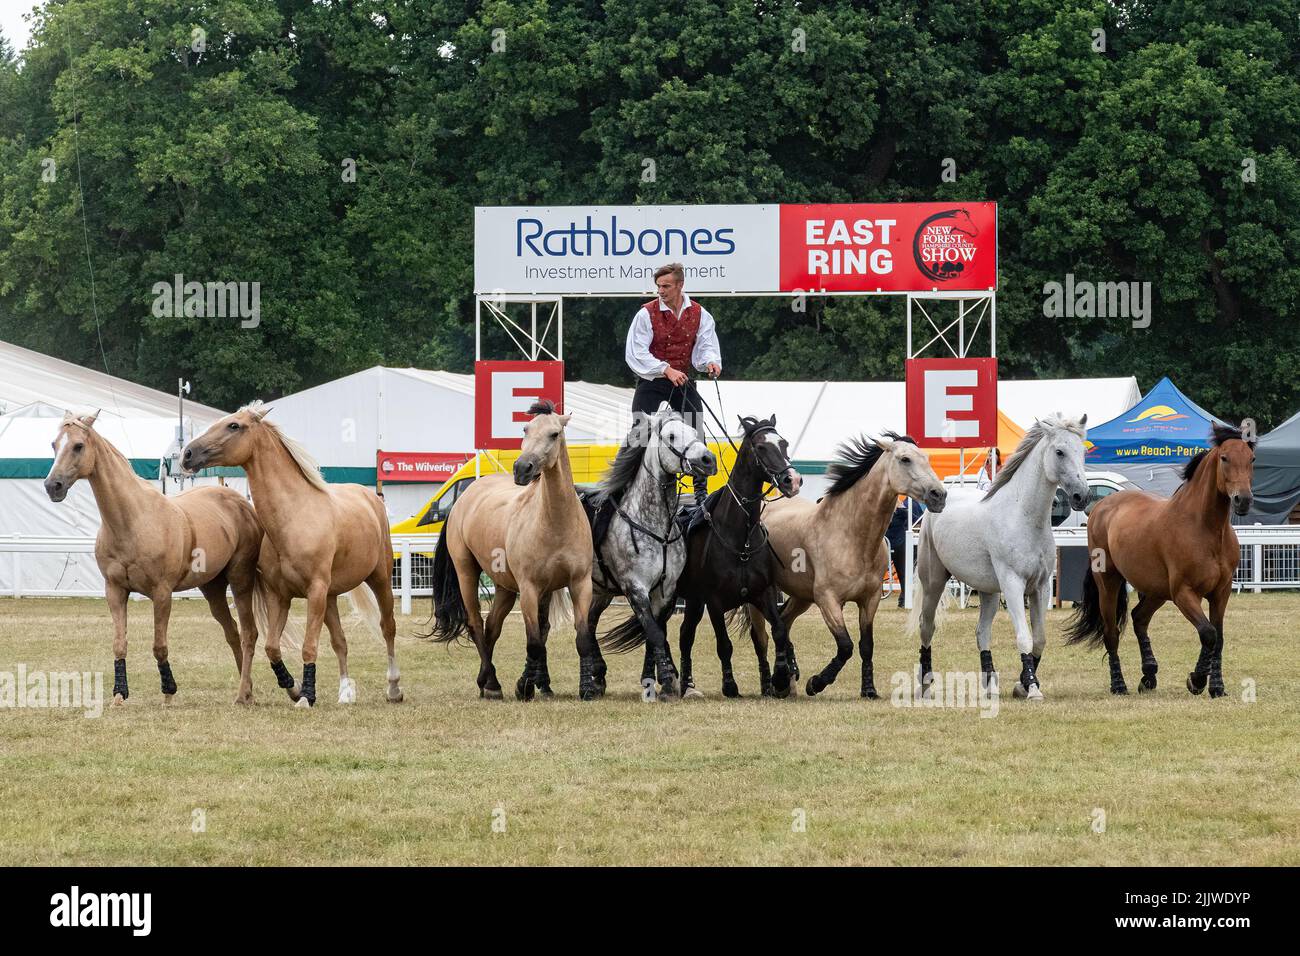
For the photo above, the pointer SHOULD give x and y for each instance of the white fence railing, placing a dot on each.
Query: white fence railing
(1270, 558)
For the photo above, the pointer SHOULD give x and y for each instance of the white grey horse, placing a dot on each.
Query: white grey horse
(1002, 542)
(640, 548)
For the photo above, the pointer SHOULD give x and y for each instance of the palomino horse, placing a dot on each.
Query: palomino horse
(321, 541)
(204, 538)
(643, 550)
(730, 563)
(1003, 542)
(1179, 549)
(531, 537)
(821, 546)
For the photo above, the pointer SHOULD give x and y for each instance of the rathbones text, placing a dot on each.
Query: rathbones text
(576, 239)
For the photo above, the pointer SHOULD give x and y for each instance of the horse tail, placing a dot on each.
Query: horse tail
(366, 607)
(627, 635)
(561, 607)
(1086, 622)
(450, 616)
(291, 635)
(739, 622)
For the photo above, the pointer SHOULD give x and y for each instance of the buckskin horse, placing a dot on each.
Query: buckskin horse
(154, 545)
(1003, 542)
(641, 549)
(730, 563)
(530, 535)
(822, 545)
(1179, 549)
(321, 541)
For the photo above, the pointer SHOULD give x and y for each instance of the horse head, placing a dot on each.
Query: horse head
(1236, 471)
(1063, 456)
(74, 455)
(772, 454)
(964, 223)
(543, 442)
(228, 441)
(680, 447)
(909, 471)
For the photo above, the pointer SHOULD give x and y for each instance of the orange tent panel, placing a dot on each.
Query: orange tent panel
(947, 461)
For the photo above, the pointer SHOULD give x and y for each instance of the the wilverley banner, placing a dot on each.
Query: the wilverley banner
(429, 466)
(503, 393)
(760, 249)
(953, 402)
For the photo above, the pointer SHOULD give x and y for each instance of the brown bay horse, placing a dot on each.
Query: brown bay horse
(1181, 549)
(824, 547)
(151, 544)
(321, 541)
(530, 535)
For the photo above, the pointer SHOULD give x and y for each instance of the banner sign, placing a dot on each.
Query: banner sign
(503, 393)
(418, 465)
(757, 249)
(953, 402)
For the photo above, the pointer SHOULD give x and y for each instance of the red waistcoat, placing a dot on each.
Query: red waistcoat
(674, 338)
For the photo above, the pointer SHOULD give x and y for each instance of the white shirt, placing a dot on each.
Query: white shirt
(642, 333)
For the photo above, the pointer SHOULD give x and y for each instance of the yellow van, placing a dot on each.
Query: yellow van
(589, 463)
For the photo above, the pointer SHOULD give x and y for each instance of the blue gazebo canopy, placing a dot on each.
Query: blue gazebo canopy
(1166, 426)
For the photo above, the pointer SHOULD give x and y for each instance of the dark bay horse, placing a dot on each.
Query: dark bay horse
(729, 561)
(1179, 549)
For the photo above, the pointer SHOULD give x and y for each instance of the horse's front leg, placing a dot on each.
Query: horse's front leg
(162, 612)
(1013, 589)
(867, 642)
(530, 599)
(983, 640)
(588, 651)
(767, 603)
(544, 626)
(317, 599)
(1039, 600)
(117, 597)
(656, 642)
(1218, 601)
(833, 614)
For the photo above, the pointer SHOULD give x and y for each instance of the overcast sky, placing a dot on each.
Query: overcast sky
(12, 24)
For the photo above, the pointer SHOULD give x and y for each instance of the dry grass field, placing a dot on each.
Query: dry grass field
(1179, 779)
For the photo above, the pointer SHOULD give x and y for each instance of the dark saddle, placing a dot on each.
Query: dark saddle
(693, 514)
(598, 517)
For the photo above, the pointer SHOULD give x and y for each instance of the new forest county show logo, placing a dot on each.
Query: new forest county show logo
(944, 244)
(1157, 413)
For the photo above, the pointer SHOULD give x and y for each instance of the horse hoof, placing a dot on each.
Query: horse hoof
(303, 703)
(118, 700)
(294, 692)
(730, 689)
(168, 699)
(1035, 693)
(691, 693)
(781, 693)
(1019, 690)
(395, 695)
(648, 692)
(347, 691)
(1143, 686)
(869, 693)
(491, 693)
(524, 691)
(1192, 685)
(587, 694)
(547, 693)
(989, 683)
(1217, 692)
(1119, 690)
(814, 686)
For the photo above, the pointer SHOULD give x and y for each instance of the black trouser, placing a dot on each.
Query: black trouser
(681, 398)
(898, 556)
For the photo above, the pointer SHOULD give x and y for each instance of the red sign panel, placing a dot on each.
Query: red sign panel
(889, 247)
(953, 402)
(503, 392)
(429, 466)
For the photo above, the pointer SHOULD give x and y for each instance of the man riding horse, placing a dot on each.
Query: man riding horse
(668, 336)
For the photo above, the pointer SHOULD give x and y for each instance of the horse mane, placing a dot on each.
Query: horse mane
(626, 463)
(543, 406)
(1037, 432)
(308, 465)
(1219, 434)
(855, 458)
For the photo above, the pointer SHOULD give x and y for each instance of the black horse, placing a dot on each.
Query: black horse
(729, 563)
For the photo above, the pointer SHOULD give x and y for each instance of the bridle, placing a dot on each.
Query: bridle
(752, 518)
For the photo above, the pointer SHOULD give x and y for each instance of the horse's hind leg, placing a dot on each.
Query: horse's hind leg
(1110, 589)
(1146, 608)
(599, 601)
(347, 686)
(690, 621)
(162, 612)
(214, 592)
(380, 583)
